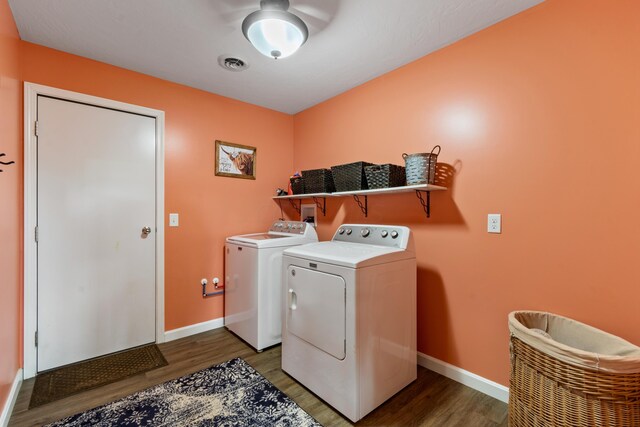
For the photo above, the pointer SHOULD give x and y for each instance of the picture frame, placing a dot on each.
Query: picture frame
(235, 160)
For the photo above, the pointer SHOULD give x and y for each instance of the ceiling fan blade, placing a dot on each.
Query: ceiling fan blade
(232, 11)
(315, 12)
(235, 16)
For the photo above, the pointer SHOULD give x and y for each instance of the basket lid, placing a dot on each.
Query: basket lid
(574, 342)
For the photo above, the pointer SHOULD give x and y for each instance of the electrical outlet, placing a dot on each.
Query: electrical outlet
(494, 223)
(174, 220)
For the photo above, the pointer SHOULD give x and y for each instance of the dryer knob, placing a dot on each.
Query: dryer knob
(349, 232)
(340, 230)
(394, 234)
(365, 232)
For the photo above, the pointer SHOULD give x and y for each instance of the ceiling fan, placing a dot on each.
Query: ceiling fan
(316, 14)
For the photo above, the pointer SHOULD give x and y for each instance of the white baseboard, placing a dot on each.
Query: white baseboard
(197, 328)
(483, 385)
(11, 400)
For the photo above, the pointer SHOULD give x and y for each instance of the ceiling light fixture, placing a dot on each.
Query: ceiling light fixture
(273, 30)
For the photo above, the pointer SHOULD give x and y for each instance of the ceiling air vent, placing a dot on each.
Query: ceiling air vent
(231, 63)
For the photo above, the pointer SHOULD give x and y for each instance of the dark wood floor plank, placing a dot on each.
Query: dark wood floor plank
(432, 400)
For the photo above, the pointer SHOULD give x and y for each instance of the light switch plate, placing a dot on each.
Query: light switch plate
(494, 223)
(174, 220)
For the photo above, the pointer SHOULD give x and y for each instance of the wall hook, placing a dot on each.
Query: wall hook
(5, 163)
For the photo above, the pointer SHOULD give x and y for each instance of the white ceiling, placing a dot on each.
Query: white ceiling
(350, 41)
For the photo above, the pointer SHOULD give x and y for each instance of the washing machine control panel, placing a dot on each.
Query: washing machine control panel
(291, 227)
(395, 236)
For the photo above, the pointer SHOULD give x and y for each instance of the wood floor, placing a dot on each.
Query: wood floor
(432, 400)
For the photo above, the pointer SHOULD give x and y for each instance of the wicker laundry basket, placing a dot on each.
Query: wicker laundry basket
(297, 185)
(350, 176)
(318, 181)
(385, 176)
(566, 373)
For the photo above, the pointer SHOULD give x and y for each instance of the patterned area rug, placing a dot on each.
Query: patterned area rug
(66, 381)
(229, 394)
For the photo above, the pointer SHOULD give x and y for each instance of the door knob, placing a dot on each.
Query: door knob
(146, 231)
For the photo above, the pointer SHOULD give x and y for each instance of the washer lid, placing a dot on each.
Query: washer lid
(347, 254)
(280, 234)
(270, 240)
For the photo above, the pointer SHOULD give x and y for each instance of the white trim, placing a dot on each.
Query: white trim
(31, 92)
(196, 328)
(159, 115)
(483, 385)
(7, 410)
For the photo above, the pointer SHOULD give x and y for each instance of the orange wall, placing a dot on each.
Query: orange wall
(539, 117)
(10, 203)
(211, 208)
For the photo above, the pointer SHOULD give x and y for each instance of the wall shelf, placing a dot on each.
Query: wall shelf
(315, 196)
(423, 192)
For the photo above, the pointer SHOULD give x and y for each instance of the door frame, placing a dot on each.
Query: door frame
(31, 93)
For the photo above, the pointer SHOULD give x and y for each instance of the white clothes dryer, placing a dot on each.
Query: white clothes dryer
(349, 326)
(253, 281)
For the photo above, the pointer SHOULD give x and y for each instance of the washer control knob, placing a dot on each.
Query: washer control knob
(349, 231)
(384, 233)
(340, 230)
(394, 234)
(365, 232)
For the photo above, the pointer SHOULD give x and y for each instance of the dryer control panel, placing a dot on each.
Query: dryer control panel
(394, 236)
(291, 227)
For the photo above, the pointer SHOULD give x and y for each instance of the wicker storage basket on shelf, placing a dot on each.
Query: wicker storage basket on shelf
(385, 176)
(318, 181)
(350, 176)
(421, 167)
(297, 185)
(566, 373)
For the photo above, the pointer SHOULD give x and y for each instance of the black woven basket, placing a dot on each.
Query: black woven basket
(350, 176)
(297, 185)
(318, 181)
(385, 176)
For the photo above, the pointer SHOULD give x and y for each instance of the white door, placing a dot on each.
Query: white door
(96, 264)
(316, 309)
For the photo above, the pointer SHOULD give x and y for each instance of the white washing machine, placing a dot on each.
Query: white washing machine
(349, 326)
(253, 281)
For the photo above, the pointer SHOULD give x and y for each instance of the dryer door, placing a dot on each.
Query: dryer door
(316, 304)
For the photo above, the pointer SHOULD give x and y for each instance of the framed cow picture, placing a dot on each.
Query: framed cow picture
(235, 160)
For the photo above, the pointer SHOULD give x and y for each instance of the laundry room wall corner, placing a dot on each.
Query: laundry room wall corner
(210, 207)
(537, 117)
(10, 208)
